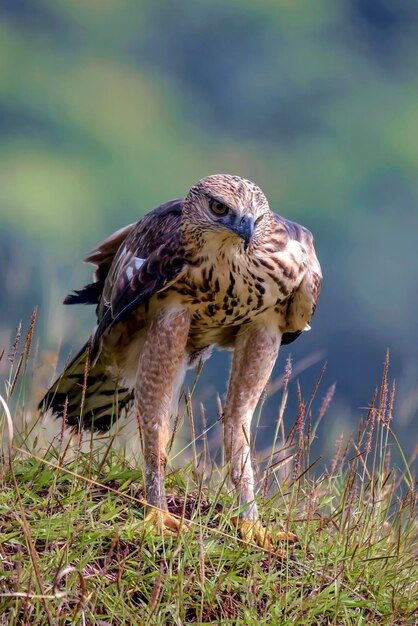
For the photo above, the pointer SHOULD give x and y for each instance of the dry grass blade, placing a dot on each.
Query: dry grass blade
(63, 573)
(13, 351)
(24, 355)
(9, 422)
(156, 591)
(298, 368)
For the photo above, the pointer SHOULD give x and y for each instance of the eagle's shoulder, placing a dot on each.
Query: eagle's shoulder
(306, 270)
(294, 231)
(155, 228)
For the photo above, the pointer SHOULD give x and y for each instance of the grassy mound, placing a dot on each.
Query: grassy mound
(74, 548)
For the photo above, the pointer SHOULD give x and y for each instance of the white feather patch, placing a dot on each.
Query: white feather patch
(133, 266)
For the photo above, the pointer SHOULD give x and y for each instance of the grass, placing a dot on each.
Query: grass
(74, 548)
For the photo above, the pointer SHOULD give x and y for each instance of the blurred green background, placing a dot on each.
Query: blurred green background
(110, 107)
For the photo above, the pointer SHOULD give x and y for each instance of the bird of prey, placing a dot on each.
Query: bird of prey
(216, 268)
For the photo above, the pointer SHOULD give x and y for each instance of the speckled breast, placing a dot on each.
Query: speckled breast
(226, 296)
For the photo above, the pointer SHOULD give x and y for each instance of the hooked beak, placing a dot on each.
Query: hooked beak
(244, 227)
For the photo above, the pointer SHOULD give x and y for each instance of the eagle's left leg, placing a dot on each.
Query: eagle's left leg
(161, 365)
(256, 350)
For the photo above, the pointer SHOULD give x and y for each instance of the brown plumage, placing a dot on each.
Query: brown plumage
(215, 269)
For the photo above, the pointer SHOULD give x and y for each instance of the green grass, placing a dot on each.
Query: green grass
(74, 548)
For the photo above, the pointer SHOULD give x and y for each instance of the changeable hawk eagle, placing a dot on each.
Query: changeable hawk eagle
(217, 268)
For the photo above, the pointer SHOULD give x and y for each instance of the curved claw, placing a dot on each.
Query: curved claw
(253, 531)
(164, 523)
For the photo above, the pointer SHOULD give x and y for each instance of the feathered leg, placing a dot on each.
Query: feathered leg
(256, 350)
(160, 365)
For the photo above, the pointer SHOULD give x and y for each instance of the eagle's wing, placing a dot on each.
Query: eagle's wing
(138, 280)
(303, 300)
(148, 261)
(131, 265)
(142, 237)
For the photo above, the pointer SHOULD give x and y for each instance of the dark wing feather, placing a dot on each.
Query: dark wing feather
(155, 274)
(90, 294)
(290, 337)
(149, 259)
(142, 237)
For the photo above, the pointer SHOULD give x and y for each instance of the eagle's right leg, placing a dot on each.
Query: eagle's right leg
(161, 365)
(255, 353)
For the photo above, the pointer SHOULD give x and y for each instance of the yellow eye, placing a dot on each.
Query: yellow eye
(217, 207)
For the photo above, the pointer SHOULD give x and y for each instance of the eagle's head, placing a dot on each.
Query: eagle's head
(224, 209)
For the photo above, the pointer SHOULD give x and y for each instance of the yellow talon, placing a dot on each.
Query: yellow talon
(254, 532)
(163, 522)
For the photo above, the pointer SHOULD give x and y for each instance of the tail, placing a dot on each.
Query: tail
(88, 397)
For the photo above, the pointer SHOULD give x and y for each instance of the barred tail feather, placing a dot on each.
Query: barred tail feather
(89, 398)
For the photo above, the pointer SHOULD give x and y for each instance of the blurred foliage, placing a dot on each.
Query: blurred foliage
(109, 107)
